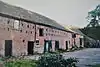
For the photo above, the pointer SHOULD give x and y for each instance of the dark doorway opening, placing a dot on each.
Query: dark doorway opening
(80, 42)
(30, 47)
(8, 47)
(47, 46)
(41, 32)
(66, 45)
(56, 45)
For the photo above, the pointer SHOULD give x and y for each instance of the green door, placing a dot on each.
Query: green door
(47, 45)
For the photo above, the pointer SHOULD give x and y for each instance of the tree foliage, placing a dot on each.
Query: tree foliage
(94, 17)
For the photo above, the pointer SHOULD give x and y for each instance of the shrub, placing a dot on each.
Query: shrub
(61, 51)
(46, 60)
(56, 60)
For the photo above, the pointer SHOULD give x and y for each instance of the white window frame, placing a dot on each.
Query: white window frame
(16, 24)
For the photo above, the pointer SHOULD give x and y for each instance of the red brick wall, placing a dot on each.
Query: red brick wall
(53, 34)
(18, 46)
(21, 38)
(26, 32)
(4, 33)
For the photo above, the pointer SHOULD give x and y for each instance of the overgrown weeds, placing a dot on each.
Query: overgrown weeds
(46, 60)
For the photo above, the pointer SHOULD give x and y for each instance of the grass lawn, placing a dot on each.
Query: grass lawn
(21, 63)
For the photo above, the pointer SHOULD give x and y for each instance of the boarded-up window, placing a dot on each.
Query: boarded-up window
(16, 24)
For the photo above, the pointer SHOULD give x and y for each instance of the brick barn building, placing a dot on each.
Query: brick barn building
(23, 32)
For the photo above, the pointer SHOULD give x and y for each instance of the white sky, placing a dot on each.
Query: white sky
(66, 12)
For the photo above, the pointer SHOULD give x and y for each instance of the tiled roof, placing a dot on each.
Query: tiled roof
(28, 15)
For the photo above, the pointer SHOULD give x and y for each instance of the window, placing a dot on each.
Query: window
(41, 32)
(23, 40)
(37, 42)
(27, 26)
(73, 35)
(16, 24)
(22, 24)
(46, 29)
(33, 27)
(20, 30)
(26, 31)
(8, 21)
(31, 32)
(8, 29)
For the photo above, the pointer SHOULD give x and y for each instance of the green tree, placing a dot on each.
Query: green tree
(94, 17)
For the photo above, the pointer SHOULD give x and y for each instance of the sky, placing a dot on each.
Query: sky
(65, 12)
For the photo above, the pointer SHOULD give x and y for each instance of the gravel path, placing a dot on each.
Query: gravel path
(86, 57)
